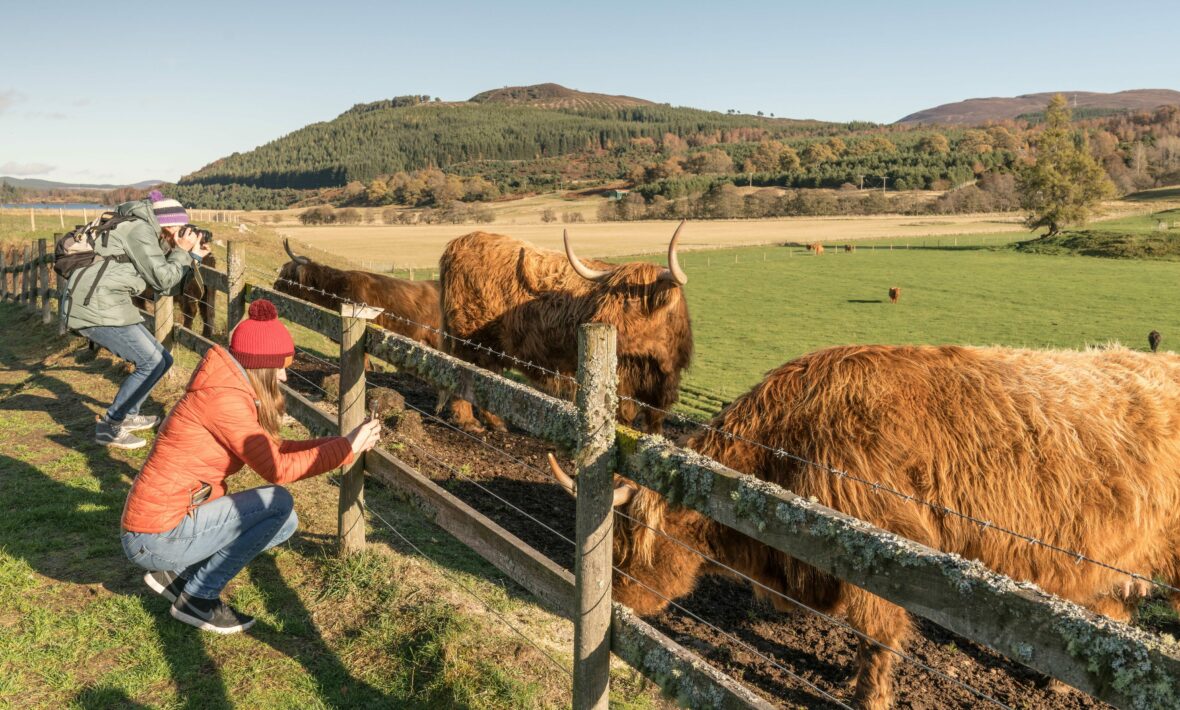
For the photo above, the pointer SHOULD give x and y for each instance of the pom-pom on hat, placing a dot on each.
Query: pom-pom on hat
(261, 341)
(169, 212)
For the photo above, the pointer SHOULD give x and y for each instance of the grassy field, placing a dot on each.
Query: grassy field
(755, 308)
(78, 628)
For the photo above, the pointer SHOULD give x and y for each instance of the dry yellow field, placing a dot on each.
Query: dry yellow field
(401, 246)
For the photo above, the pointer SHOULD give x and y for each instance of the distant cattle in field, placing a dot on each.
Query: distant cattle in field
(1153, 340)
(816, 247)
(894, 294)
(849, 247)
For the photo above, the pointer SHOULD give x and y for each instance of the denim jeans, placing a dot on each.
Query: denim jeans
(219, 539)
(135, 344)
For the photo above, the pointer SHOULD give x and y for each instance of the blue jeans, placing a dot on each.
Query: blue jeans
(135, 344)
(219, 539)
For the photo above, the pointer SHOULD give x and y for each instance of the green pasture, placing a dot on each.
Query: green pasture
(756, 308)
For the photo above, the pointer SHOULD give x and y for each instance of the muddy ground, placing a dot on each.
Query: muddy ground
(816, 649)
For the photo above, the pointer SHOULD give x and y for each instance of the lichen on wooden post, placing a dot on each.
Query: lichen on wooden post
(162, 320)
(597, 403)
(351, 518)
(235, 276)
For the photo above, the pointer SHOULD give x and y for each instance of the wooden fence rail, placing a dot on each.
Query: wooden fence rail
(1111, 661)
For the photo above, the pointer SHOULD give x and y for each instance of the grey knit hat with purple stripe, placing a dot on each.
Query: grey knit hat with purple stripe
(169, 212)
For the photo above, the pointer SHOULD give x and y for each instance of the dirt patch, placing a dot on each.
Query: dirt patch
(821, 652)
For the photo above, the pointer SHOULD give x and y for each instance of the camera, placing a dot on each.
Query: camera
(205, 235)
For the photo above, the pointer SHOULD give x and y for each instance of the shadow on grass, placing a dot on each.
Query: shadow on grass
(68, 530)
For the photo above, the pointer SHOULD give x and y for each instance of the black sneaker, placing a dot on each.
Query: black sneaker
(167, 584)
(209, 615)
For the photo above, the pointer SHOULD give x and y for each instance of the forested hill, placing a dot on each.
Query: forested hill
(423, 152)
(406, 134)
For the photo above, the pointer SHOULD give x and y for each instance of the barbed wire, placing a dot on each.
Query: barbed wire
(470, 344)
(878, 487)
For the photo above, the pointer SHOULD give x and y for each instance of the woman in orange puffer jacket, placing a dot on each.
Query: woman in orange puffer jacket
(178, 522)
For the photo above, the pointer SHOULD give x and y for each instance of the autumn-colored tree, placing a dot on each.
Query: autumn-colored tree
(817, 153)
(974, 142)
(1065, 183)
(709, 161)
(837, 145)
(767, 156)
(935, 143)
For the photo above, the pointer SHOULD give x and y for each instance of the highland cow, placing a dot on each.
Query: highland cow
(1077, 449)
(1153, 340)
(816, 247)
(894, 294)
(510, 296)
(410, 307)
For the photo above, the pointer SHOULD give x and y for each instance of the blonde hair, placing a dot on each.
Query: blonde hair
(265, 382)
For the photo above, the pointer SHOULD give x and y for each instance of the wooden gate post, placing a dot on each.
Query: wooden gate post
(235, 279)
(351, 516)
(43, 259)
(597, 402)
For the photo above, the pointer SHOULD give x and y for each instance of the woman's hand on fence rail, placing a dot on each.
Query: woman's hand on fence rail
(365, 436)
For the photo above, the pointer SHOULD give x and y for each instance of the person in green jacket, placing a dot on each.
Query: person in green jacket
(147, 250)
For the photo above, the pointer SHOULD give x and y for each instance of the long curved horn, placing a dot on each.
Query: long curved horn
(622, 495)
(584, 271)
(674, 272)
(296, 259)
(569, 484)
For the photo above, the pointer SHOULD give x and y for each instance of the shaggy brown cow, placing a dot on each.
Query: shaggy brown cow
(1153, 340)
(816, 247)
(415, 301)
(849, 247)
(894, 293)
(1077, 449)
(195, 297)
(513, 297)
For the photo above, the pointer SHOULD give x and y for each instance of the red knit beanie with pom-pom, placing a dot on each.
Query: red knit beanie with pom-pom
(261, 341)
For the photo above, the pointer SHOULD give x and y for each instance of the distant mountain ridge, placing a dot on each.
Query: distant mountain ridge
(982, 110)
(38, 184)
(555, 96)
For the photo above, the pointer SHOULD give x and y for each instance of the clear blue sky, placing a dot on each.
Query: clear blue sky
(121, 92)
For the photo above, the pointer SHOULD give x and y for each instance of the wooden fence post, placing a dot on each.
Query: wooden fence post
(26, 281)
(3, 274)
(351, 517)
(597, 402)
(43, 258)
(162, 321)
(235, 276)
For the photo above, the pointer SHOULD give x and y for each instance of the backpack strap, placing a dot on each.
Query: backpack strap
(106, 260)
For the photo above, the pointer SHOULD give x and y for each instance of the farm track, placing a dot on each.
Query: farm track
(814, 648)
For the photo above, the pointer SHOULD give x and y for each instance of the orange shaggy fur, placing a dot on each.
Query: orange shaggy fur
(1078, 449)
(416, 301)
(509, 295)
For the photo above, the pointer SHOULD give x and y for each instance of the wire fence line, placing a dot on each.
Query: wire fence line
(878, 487)
(458, 473)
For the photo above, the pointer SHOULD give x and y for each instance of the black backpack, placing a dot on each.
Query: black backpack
(74, 250)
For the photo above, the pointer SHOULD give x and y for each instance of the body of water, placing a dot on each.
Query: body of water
(72, 206)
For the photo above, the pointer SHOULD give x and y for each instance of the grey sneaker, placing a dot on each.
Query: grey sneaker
(115, 435)
(139, 422)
